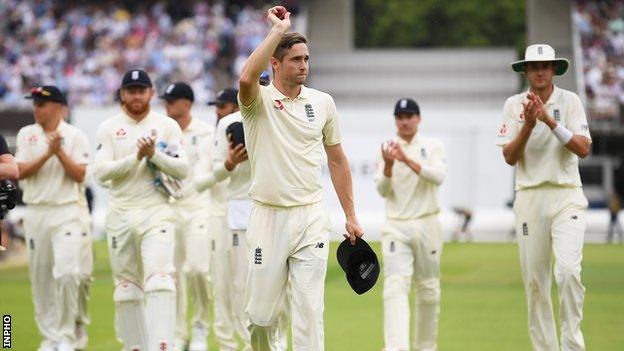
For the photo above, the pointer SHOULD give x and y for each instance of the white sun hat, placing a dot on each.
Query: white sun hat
(541, 52)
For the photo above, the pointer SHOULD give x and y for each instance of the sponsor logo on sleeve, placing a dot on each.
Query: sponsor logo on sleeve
(503, 130)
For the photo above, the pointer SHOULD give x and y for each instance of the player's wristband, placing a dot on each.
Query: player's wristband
(562, 133)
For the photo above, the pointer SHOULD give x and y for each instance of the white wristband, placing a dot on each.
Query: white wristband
(562, 133)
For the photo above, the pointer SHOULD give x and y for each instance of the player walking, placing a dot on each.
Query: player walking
(140, 222)
(214, 176)
(544, 132)
(410, 170)
(52, 158)
(286, 127)
(192, 213)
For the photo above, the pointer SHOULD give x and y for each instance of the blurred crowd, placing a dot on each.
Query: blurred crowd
(85, 47)
(601, 27)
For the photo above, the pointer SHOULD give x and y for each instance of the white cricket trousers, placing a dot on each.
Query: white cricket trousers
(229, 272)
(86, 269)
(141, 248)
(192, 264)
(552, 220)
(288, 247)
(411, 250)
(54, 237)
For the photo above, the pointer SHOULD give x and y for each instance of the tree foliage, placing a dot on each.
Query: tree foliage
(439, 23)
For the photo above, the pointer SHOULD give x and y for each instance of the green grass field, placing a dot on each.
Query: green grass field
(483, 304)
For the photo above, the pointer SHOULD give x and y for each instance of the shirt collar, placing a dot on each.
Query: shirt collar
(277, 95)
(554, 97)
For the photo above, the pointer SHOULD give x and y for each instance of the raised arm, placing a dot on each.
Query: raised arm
(249, 86)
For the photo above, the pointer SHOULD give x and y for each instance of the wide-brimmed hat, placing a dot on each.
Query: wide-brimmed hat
(541, 53)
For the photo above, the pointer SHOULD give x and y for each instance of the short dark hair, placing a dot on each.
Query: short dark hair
(287, 42)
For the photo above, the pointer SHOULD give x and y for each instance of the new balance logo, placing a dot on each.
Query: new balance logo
(319, 245)
(258, 256)
(525, 229)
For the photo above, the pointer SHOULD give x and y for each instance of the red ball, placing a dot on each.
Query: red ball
(280, 12)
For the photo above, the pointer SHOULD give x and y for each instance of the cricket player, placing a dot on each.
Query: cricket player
(287, 126)
(140, 222)
(52, 158)
(227, 175)
(544, 132)
(410, 169)
(191, 257)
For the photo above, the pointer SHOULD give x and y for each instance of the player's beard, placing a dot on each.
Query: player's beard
(137, 108)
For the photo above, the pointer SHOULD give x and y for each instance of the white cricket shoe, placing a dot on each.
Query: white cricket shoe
(82, 338)
(198, 339)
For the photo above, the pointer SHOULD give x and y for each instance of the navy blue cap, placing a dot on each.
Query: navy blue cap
(136, 77)
(226, 95)
(406, 105)
(47, 93)
(360, 263)
(179, 90)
